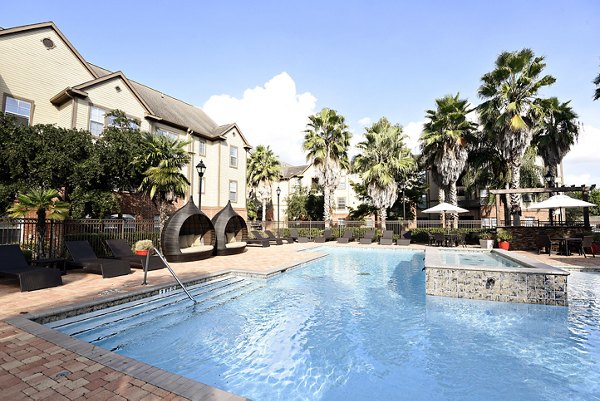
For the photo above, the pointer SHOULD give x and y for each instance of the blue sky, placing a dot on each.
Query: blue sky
(268, 64)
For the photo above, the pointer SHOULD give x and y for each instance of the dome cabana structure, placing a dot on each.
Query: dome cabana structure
(231, 231)
(188, 235)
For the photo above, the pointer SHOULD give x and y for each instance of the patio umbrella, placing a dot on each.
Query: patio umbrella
(559, 202)
(445, 208)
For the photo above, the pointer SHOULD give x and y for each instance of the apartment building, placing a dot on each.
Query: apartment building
(45, 80)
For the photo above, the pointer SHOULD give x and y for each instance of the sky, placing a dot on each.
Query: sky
(268, 65)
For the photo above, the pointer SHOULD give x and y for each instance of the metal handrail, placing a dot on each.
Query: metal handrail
(161, 256)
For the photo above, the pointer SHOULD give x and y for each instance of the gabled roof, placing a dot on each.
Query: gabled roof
(288, 171)
(160, 107)
(45, 25)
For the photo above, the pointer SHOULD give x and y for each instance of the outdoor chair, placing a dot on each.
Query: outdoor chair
(327, 236)
(84, 257)
(368, 238)
(13, 263)
(258, 241)
(120, 249)
(439, 239)
(404, 239)
(274, 240)
(585, 243)
(431, 239)
(295, 236)
(346, 238)
(272, 236)
(461, 240)
(387, 238)
(543, 241)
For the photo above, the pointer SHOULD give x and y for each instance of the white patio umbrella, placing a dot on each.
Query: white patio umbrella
(445, 208)
(559, 202)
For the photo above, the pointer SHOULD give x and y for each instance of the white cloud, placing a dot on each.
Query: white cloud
(365, 122)
(273, 114)
(582, 163)
(413, 131)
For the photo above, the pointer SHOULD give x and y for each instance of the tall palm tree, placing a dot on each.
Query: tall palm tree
(262, 170)
(511, 109)
(47, 205)
(445, 142)
(558, 132)
(326, 142)
(384, 156)
(163, 180)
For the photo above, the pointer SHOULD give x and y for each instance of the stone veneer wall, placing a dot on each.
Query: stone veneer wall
(547, 289)
(524, 237)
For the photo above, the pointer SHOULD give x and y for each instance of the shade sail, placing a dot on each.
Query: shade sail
(559, 201)
(445, 208)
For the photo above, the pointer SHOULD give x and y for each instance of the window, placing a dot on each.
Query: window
(488, 222)
(341, 203)
(233, 156)
(201, 147)
(233, 191)
(97, 120)
(166, 133)
(342, 184)
(20, 109)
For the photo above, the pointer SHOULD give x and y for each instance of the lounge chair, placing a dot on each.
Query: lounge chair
(121, 250)
(84, 257)
(368, 238)
(404, 239)
(387, 238)
(13, 263)
(258, 241)
(274, 240)
(327, 236)
(272, 236)
(347, 237)
(295, 236)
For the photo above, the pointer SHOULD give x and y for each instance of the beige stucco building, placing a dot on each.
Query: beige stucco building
(44, 80)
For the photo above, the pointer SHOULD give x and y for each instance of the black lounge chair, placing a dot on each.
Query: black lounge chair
(347, 237)
(327, 236)
(274, 240)
(263, 242)
(272, 236)
(120, 250)
(404, 239)
(387, 238)
(84, 257)
(368, 238)
(13, 263)
(295, 236)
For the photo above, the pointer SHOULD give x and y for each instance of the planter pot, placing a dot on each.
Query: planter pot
(141, 252)
(486, 243)
(503, 245)
(595, 247)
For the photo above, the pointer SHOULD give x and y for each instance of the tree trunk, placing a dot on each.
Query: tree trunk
(264, 210)
(442, 198)
(453, 198)
(326, 207)
(163, 208)
(41, 231)
(515, 199)
(382, 217)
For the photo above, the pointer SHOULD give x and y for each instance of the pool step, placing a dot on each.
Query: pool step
(137, 312)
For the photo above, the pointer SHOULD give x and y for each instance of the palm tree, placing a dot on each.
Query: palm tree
(163, 180)
(263, 169)
(326, 142)
(47, 205)
(511, 108)
(384, 156)
(557, 133)
(597, 82)
(445, 142)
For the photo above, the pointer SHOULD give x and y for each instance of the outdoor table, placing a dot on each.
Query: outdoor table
(563, 244)
(55, 263)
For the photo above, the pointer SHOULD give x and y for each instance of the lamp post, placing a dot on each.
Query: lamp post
(200, 168)
(549, 178)
(278, 192)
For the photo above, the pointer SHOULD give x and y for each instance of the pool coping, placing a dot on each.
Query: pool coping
(433, 259)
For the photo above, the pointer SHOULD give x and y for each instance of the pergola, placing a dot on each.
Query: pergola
(585, 195)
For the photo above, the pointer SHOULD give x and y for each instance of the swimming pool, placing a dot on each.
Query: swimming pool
(475, 258)
(357, 325)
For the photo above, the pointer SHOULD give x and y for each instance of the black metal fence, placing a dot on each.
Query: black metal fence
(24, 232)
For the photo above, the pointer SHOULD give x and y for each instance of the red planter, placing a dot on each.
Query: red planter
(595, 248)
(503, 245)
(141, 252)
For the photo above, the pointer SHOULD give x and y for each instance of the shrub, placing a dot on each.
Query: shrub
(503, 235)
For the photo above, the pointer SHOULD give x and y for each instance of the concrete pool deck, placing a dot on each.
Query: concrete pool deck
(37, 363)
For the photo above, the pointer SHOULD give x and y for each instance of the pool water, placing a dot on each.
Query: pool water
(475, 258)
(357, 325)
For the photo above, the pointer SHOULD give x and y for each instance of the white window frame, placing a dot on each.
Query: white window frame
(101, 122)
(233, 159)
(166, 133)
(18, 113)
(341, 203)
(233, 195)
(201, 147)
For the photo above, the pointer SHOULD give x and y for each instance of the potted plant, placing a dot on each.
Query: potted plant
(486, 240)
(142, 247)
(503, 238)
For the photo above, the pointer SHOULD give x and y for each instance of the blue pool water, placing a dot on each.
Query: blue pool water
(475, 258)
(357, 325)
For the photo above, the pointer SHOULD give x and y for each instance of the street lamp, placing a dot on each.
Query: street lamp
(278, 192)
(200, 168)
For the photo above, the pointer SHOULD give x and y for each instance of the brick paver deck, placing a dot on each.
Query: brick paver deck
(37, 363)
